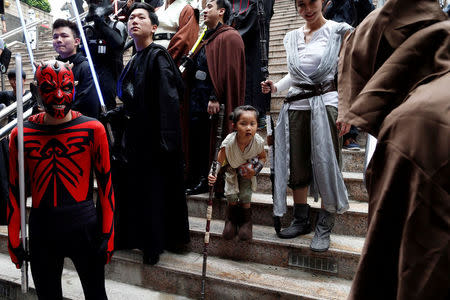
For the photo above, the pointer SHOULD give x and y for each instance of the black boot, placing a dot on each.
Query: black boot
(231, 222)
(300, 224)
(321, 239)
(246, 227)
(200, 188)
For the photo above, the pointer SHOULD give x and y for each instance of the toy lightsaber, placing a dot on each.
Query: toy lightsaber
(91, 66)
(191, 52)
(23, 221)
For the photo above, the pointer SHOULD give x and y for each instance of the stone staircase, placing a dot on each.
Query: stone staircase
(266, 267)
(43, 52)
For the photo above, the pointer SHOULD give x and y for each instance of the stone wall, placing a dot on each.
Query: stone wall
(13, 21)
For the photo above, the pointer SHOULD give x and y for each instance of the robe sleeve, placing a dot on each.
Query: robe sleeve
(169, 102)
(102, 169)
(186, 35)
(13, 207)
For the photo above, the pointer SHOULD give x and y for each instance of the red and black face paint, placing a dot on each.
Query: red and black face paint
(56, 87)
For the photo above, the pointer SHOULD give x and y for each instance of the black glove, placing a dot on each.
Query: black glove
(109, 117)
(102, 249)
(20, 255)
(188, 63)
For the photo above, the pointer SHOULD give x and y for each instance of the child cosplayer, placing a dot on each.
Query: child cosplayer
(243, 156)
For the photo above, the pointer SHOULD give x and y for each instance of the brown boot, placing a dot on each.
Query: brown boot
(231, 221)
(246, 228)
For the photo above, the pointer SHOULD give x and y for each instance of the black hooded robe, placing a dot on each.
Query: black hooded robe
(245, 19)
(151, 203)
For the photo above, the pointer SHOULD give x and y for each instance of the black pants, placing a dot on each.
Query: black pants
(47, 261)
(199, 146)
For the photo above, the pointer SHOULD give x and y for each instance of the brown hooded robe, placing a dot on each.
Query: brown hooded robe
(226, 65)
(394, 83)
(186, 36)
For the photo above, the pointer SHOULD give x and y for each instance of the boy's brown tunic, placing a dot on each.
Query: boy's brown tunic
(394, 83)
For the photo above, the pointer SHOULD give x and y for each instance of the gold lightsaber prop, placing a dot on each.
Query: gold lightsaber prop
(191, 52)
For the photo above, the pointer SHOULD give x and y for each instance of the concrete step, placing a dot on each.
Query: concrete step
(286, 23)
(353, 181)
(277, 59)
(278, 66)
(352, 160)
(280, 32)
(10, 286)
(277, 48)
(180, 274)
(351, 223)
(225, 279)
(266, 248)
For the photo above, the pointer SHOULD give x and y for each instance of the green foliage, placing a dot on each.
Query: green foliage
(41, 4)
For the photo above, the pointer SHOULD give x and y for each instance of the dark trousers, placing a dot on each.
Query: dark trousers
(352, 134)
(47, 260)
(199, 145)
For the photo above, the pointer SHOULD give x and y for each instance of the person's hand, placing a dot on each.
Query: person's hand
(343, 128)
(213, 107)
(102, 250)
(108, 117)
(268, 86)
(20, 256)
(246, 170)
(211, 179)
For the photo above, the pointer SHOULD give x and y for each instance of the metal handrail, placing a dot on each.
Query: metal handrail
(12, 107)
(82, 16)
(5, 130)
(32, 24)
(20, 29)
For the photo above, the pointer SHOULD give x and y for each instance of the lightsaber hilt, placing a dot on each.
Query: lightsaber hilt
(263, 39)
(182, 68)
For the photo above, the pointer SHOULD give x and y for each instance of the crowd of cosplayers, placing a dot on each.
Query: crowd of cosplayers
(180, 118)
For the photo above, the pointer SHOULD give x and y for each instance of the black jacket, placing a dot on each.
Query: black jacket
(85, 98)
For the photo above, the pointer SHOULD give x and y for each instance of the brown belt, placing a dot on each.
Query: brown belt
(311, 90)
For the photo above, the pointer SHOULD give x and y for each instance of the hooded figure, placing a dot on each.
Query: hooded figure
(393, 83)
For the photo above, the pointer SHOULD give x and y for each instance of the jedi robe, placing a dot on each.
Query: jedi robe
(226, 65)
(178, 18)
(393, 83)
(151, 205)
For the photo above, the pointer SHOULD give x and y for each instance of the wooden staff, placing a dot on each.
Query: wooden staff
(211, 196)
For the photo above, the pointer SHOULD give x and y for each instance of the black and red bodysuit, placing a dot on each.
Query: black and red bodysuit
(59, 160)
(59, 164)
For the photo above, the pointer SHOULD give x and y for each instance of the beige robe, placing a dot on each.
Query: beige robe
(394, 83)
(236, 157)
